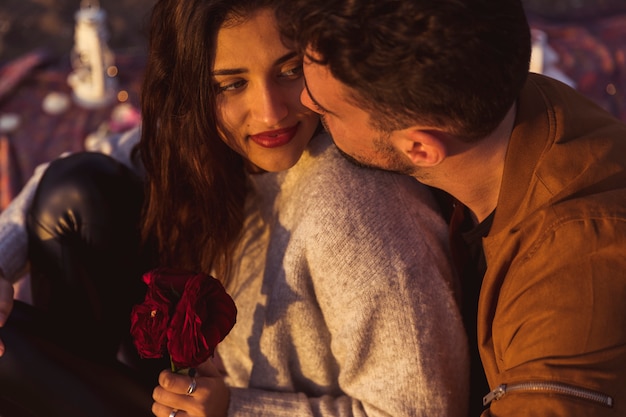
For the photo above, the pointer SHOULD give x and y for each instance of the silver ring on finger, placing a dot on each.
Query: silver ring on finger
(192, 386)
(173, 413)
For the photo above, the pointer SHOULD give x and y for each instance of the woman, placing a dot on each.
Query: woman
(341, 288)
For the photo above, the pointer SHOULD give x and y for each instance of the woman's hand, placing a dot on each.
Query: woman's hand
(210, 397)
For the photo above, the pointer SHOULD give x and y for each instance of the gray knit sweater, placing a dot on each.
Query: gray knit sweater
(344, 296)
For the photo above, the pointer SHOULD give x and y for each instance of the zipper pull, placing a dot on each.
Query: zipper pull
(496, 394)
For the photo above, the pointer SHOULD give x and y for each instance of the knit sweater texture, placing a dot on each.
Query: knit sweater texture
(346, 297)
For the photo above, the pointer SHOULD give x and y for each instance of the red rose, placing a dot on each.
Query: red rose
(149, 320)
(184, 314)
(148, 326)
(203, 317)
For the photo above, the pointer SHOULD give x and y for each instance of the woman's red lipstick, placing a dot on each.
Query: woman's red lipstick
(275, 138)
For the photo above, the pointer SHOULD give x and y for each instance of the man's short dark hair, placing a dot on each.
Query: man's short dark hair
(455, 64)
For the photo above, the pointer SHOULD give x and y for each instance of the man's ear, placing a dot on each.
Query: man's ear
(424, 147)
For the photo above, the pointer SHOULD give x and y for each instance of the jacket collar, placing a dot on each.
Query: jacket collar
(532, 132)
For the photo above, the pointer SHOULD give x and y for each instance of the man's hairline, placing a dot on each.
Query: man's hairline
(352, 95)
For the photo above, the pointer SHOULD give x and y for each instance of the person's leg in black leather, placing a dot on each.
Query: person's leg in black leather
(84, 248)
(86, 268)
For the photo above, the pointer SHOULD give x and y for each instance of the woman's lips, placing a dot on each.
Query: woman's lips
(275, 138)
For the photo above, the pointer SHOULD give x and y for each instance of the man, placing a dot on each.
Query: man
(440, 90)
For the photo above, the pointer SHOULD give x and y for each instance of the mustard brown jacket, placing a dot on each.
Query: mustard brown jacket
(552, 308)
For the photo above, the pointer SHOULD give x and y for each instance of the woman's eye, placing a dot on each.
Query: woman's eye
(223, 87)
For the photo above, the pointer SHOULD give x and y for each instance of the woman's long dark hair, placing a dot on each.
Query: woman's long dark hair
(196, 184)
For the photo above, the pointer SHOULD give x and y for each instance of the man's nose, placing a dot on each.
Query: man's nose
(306, 100)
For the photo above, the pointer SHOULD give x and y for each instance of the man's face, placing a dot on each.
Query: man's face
(348, 124)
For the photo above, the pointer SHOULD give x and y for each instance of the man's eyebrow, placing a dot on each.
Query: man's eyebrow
(317, 104)
(235, 71)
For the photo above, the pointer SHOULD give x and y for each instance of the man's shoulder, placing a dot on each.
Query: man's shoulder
(564, 230)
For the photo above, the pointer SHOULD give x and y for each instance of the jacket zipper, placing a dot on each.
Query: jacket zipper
(553, 387)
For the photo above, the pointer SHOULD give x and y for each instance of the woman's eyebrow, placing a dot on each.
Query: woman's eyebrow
(229, 71)
(235, 71)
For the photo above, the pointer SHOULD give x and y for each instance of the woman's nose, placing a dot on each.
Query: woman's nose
(271, 105)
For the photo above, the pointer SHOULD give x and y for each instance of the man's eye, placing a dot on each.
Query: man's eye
(319, 109)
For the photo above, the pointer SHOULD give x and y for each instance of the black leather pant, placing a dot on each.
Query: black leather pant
(84, 245)
(63, 355)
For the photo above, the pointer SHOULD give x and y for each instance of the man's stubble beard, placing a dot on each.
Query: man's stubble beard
(394, 161)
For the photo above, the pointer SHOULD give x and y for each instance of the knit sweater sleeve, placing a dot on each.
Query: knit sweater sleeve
(13, 236)
(384, 285)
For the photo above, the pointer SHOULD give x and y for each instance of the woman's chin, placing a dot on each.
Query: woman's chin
(280, 164)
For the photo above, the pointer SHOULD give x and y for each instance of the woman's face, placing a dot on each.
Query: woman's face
(259, 83)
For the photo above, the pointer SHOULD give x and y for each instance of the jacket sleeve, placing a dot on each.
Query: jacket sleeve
(559, 328)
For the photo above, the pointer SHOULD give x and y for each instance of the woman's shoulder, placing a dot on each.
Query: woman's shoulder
(325, 178)
(325, 168)
(340, 211)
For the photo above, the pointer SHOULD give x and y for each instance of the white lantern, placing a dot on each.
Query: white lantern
(92, 61)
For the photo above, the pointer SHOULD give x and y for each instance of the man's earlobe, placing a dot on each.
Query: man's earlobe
(424, 148)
